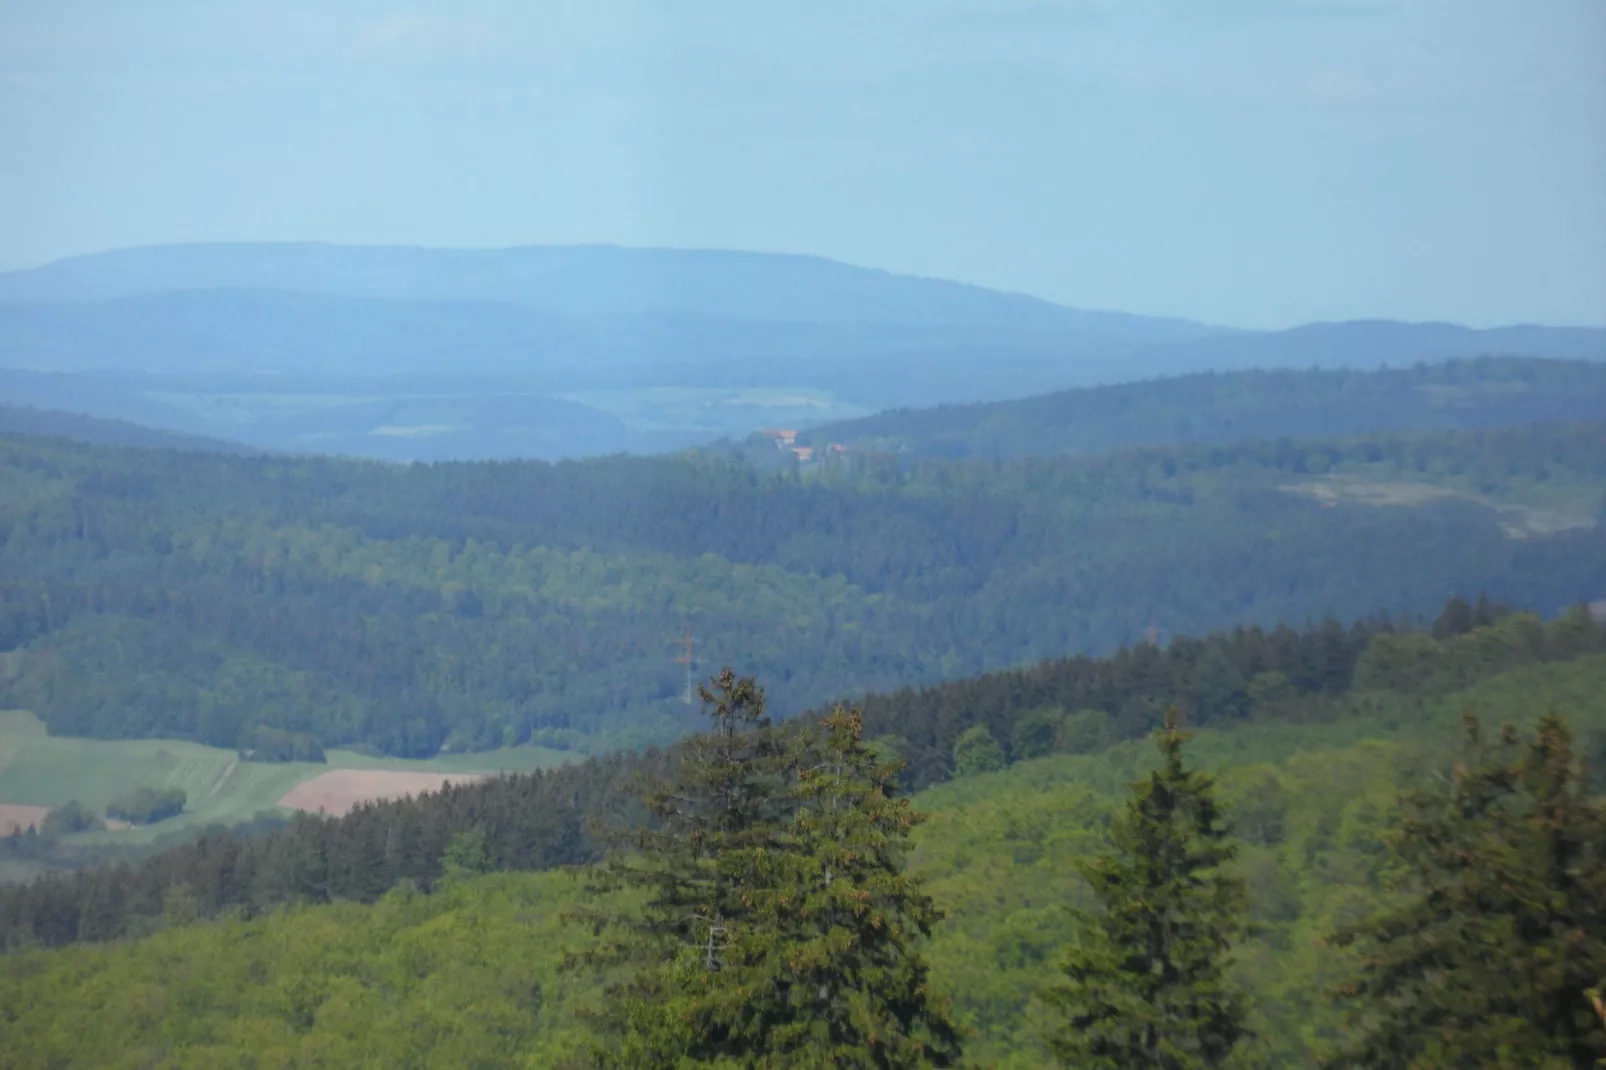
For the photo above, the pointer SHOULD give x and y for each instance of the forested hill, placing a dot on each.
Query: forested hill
(1238, 406)
(153, 593)
(50, 423)
(468, 972)
(1371, 678)
(575, 280)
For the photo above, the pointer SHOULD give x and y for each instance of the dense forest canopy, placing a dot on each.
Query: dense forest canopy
(468, 606)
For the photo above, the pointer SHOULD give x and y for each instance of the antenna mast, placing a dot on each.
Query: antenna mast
(687, 659)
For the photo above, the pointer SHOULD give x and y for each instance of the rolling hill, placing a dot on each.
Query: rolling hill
(154, 593)
(572, 281)
(18, 420)
(1238, 406)
(311, 347)
(466, 969)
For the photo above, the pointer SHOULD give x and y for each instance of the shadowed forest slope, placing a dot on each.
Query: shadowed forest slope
(471, 606)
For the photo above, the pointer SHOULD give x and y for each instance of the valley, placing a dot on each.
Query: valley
(1014, 632)
(42, 771)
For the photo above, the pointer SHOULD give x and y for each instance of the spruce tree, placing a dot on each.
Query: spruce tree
(848, 983)
(693, 955)
(1145, 984)
(1492, 956)
(776, 925)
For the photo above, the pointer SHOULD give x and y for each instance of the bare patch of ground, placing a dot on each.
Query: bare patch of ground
(1517, 521)
(340, 790)
(1520, 522)
(15, 817)
(1332, 490)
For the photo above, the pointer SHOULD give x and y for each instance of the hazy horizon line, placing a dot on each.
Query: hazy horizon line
(1289, 325)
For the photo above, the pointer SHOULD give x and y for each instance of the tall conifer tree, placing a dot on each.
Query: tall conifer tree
(777, 926)
(1146, 985)
(850, 986)
(715, 840)
(1491, 959)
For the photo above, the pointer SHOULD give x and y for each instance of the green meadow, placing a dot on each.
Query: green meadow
(39, 769)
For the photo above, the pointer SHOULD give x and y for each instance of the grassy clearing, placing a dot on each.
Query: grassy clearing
(1525, 512)
(45, 770)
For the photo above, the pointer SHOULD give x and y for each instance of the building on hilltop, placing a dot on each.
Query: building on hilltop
(783, 437)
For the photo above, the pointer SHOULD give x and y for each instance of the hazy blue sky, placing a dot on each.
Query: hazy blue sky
(1257, 162)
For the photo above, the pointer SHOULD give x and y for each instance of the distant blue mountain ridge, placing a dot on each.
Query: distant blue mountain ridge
(594, 280)
(557, 351)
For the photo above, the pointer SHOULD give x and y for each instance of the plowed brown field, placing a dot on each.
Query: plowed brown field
(339, 790)
(15, 817)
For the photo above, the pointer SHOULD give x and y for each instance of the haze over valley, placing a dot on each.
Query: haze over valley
(554, 352)
(644, 536)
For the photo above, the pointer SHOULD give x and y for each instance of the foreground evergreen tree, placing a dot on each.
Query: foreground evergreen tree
(1145, 984)
(1492, 958)
(850, 985)
(777, 927)
(714, 844)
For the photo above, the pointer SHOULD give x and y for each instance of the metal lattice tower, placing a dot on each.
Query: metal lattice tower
(688, 659)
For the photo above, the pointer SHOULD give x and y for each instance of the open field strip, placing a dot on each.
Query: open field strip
(338, 791)
(38, 769)
(18, 817)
